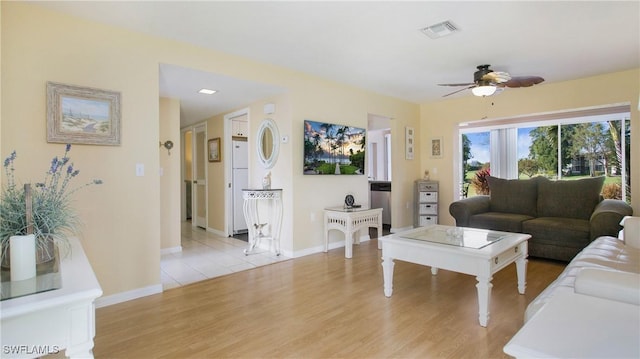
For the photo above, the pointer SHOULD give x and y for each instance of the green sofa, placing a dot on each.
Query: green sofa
(562, 216)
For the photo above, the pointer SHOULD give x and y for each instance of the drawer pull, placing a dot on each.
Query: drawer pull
(495, 260)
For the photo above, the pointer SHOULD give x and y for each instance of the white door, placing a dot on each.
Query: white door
(186, 197)
(199, 211)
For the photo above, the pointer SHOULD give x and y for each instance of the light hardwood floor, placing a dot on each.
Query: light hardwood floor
(322, 306)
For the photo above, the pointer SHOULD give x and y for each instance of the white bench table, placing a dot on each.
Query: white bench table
(350, 221)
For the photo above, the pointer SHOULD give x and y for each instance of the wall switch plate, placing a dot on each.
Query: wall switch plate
(139, 169)
(269, 108)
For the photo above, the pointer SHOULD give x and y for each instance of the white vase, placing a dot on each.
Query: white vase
(23, 257)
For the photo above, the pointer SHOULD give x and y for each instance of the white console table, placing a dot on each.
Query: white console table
(270, 201)
(350, 221)
(47, 322)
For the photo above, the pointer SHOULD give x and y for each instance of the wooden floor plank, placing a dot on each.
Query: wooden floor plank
(322, 306)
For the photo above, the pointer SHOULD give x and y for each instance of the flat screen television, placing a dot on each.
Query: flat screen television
(332, 149)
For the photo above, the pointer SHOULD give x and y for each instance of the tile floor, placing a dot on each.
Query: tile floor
(205, 255)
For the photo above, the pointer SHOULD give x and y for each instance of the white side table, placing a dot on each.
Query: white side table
(47, 322)
(270, 200)
(350, 221)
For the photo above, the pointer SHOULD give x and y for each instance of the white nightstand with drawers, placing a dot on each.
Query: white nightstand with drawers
(426, 199)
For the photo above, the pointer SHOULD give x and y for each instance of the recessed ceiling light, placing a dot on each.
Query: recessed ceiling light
(440, 29)
(207, 91)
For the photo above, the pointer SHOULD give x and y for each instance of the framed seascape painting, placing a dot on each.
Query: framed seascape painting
(331, 149)
(82, 115)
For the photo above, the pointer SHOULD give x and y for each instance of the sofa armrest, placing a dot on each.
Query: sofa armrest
(606, 217)
(607, 284)
(463, 209)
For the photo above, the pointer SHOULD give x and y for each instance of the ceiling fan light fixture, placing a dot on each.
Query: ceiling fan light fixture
(483, 90)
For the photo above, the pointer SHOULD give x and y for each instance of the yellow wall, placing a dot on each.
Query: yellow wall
(122, 218)
(216, 188)
(442, 118)
(121, 232)
(170, 174)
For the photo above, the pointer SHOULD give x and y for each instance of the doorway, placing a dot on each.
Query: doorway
(236, 129)
(379, 165)
(194, 174)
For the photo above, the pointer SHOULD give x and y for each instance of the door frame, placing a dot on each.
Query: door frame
(228, 170)
(183, 170)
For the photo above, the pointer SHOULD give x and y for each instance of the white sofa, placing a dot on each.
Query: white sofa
(608, 268)
(592, 310)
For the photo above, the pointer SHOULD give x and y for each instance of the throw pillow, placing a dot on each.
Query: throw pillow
(569, 198)
(514, 196)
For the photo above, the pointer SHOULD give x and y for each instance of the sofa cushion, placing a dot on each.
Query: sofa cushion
(564, 232)
(569, 198)
(514, 196)
(508, 222)
(605, 253)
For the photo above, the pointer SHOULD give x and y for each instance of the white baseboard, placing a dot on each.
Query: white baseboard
(128, 295)
(170, 250)
(332, 245)
(216, 232)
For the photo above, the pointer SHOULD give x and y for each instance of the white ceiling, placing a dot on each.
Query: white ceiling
(377, 45)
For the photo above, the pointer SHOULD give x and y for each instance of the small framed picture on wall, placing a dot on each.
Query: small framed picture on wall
(214, 149)
(408, 146)
(436, 147)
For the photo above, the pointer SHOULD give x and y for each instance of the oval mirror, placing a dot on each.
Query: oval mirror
(268, 143)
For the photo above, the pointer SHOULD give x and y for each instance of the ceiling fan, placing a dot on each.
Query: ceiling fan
(486, 81)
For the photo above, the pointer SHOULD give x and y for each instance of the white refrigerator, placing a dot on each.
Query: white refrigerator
(240, 164)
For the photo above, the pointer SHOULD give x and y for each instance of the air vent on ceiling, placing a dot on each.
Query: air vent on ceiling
(440, 29)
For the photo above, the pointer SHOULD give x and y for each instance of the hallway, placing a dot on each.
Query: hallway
(205, 255)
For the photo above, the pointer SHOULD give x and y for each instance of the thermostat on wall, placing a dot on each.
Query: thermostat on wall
(269, 108)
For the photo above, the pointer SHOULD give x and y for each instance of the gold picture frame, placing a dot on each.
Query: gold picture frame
(214, 149)
(436, 147)
(82, 115)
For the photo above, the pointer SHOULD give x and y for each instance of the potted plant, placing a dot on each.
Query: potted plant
(52, 215)
(480, 182)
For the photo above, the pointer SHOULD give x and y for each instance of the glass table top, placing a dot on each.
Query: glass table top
(48, 277)
(348, 209)
(456, 236)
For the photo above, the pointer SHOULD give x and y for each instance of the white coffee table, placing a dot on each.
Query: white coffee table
(471, 251)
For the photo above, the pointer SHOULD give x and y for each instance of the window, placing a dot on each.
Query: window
(574, 145)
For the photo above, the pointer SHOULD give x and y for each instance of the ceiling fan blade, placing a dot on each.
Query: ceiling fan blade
(464, 84)
(522, 81)
(455, 92)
